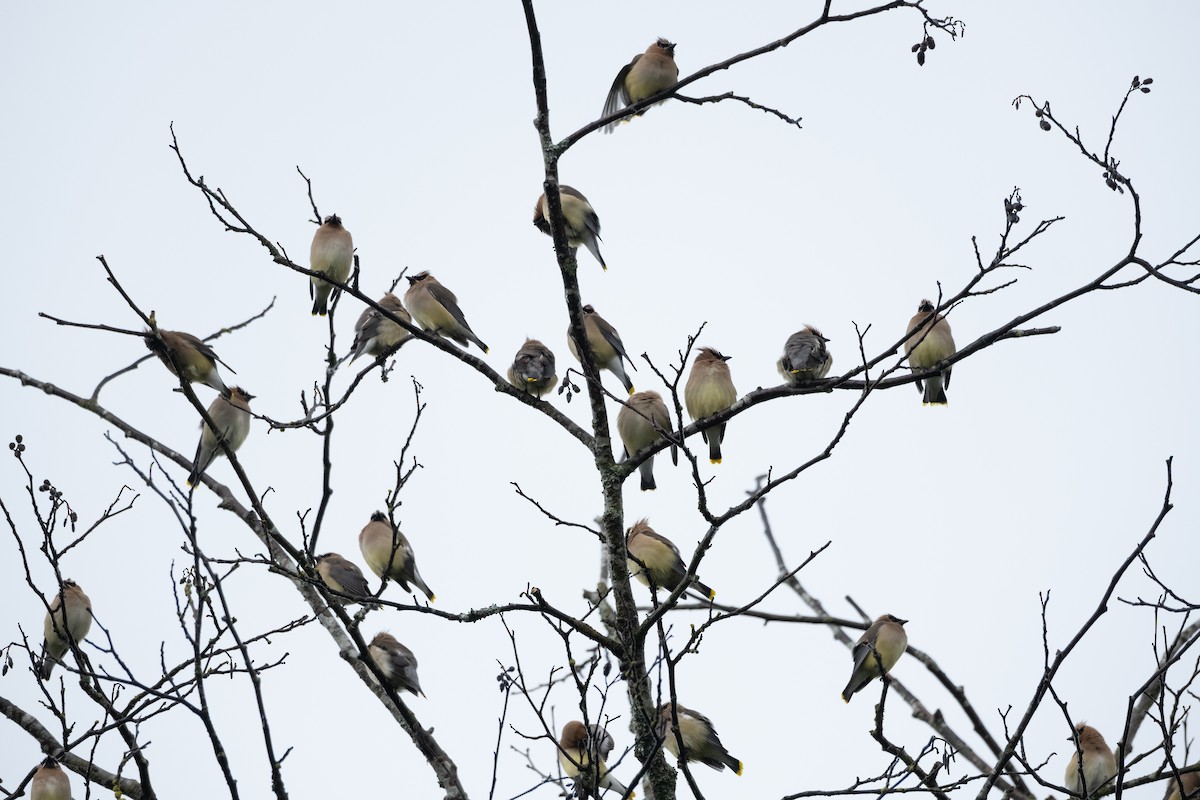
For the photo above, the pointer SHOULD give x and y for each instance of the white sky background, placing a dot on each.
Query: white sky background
(414, 122)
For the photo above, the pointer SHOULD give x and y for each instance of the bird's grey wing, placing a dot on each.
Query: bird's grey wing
(618, 98)
(450, 303)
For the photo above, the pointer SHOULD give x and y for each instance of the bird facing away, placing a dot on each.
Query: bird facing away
(232, 418)
(924, 353)
(805, 357)
(605, 343)
(332, 254)
(661, 557)
(709, 390)
(50, 782)
(73, 621)
(699, 737)
(342, 576)
(183, 352)
(436, 309)
(639, 424)
(1191, 785)
(532, 370)
(648, 74)
(578, 749)
(890, 640)
(377, 544)
(1099, 763)
(375, 334)
(583, 226)
(396, 662)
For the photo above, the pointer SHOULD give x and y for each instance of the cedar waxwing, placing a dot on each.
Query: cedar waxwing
(396, 662)
(377, 335)
(890, 640)
(1190, 780)
(50, 782)
(577, 748)
(607, 350)
(436, 308)
(648, 74)
(661, 557)
(232, 417)
(532, 370)
(332, 254)
(342, 576)
(1099, 763)
(699, 737)
(193, 356)
(583, 226)
(709, 390)
(60, 627)
(805, 357)
(933, 349)
(377, 543)
(638, 424)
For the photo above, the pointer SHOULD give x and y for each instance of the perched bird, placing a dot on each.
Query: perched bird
(232, 417)
(661, 557)
(1099, 763)
(396, 662)
(1190, 788)
(709, 390)
(648, 74)
(699, 737)
(436, 308)
(61, 626)
(805, 357)
(890, 640)
(929, 351)
(578, 748)
(377, 335)
(182, 351)
(50, 782)
(387, 552)
(639, 424)
(532, 370)
(342, 575)
(332, 254)
(583, 226)
(605, 343)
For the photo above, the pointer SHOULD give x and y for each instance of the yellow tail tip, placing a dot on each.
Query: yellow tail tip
(487, 350)
(741, 766)
(712, 595)
(714, 461)
(631, 391)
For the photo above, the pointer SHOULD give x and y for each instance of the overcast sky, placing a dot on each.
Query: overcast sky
(414, 123)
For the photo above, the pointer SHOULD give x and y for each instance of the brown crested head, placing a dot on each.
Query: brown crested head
(816, 333)
(574, 735)
(384, 641)
(588, 309)
(539, 219)
(1089, 737)
(639, 528)
(333, 221)
(711, 354)
(892, 618)
(379, 516)
(925, 307)
(413, 280)
(665, 45)
(238, 393)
